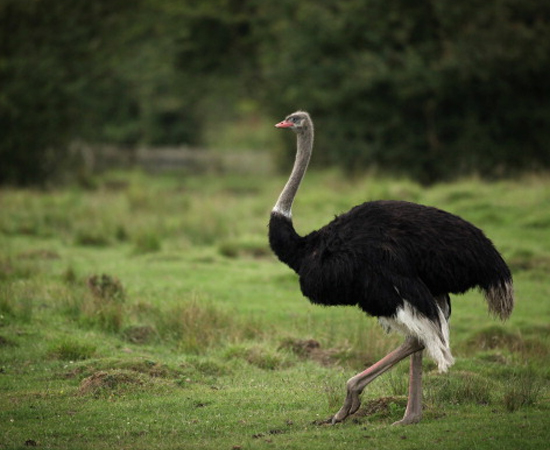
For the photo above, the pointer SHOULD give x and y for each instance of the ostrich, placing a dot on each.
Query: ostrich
(397, 261)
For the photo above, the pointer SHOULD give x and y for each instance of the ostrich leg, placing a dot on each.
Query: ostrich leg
(413, 413)
(357, 384)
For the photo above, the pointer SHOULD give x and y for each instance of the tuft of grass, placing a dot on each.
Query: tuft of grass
(495, 337)
(17, 301)
(68, 349)
(207, 224)
(210, 367)
(104, 305)
(398, 383)
(522, 389)
(202, 370)
(198, 325)
(140, 334)
(334, 394)
(459, 388)
(106, 287)
(259, 356)
(12, 269)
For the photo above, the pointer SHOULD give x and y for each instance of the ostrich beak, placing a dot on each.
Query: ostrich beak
(284, 124)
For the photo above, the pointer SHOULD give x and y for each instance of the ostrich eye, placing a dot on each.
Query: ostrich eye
(294, 119)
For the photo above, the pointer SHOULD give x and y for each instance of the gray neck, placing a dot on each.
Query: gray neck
(303, 155)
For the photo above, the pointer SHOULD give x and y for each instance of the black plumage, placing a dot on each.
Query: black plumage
(382, 252)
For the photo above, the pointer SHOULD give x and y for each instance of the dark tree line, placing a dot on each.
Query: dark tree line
(433, 89)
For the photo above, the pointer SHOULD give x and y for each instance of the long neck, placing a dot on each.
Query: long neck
(303, 155)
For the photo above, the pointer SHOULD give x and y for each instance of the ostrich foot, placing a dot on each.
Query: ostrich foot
(351, 405)
(409, 419)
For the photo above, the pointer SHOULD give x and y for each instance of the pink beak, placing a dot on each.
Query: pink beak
(284, 124)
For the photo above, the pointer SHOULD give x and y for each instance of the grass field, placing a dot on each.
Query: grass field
(148, 313)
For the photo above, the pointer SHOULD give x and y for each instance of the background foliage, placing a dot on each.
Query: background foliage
(433, 89)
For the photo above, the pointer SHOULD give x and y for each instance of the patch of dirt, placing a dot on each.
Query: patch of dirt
(311, 349)
(107, 383)
(382, 406)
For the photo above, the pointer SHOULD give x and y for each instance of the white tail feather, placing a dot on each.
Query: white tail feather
(433, 335)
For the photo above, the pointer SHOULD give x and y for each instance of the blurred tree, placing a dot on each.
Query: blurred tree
(109, 71)
(51, 72)
(434, 89)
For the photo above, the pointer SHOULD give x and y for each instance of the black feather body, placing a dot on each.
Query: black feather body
(382, 252)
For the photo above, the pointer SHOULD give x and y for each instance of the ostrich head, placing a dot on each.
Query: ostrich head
(297, 121)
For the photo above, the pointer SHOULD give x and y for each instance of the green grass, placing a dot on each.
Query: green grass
(149, 313)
